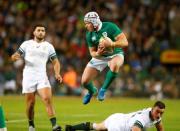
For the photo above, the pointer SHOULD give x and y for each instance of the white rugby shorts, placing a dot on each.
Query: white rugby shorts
(32, 83)
(101, 64)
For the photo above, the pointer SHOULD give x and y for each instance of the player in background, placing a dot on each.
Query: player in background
(135, 121)
(105, 41)
(36, 52)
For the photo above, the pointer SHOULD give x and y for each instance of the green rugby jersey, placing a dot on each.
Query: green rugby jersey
(111, 30)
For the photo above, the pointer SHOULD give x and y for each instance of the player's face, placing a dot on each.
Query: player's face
(157, 112)
(89, 26)
(39, 33)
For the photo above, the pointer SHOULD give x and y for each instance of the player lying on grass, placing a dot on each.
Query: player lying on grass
(105, 41)
(135, 121)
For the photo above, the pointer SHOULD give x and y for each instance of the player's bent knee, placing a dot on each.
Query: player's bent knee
(31, 104)
(84, 82)
(46, 100)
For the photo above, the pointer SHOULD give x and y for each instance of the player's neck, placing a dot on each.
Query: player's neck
(150, 115)
(38, 40)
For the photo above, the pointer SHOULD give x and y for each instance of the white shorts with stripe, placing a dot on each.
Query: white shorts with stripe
(101, 64)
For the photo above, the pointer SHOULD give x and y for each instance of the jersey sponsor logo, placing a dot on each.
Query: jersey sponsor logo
(104, 34)
(94, 38)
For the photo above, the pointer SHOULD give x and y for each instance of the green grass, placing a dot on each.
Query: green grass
(70, 110)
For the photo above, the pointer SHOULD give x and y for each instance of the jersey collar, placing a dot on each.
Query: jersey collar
(100, 26)
(150, 116)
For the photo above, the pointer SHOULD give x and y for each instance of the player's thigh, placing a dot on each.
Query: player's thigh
(45, 93)
(29, 85)
(30, 97)
(88, 74)
(116, 62)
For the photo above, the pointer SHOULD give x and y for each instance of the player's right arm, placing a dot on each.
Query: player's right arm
(159, 126)
(96, 52)
(16, 56)
(19, 53)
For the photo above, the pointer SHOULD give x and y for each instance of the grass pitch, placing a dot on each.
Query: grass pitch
(70, 110)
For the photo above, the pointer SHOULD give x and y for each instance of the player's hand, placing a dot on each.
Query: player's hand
(100, 50)
(58, 78)
(106, 42)
(15, 56)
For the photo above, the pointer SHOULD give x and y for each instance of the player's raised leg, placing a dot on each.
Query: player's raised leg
(114, 65)
(46, 96)
(88, 75)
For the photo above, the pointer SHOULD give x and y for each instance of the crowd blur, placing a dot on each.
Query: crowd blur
(151, 26)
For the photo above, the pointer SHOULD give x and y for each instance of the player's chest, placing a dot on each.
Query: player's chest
(97, 36)
(37, 50)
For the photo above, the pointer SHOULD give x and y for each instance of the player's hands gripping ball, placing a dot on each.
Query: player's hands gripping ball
(105, 44)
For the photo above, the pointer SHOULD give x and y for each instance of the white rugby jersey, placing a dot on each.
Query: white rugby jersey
(36, 55)
(140, 118)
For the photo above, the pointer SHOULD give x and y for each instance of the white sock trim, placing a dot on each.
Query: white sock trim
(94, 125)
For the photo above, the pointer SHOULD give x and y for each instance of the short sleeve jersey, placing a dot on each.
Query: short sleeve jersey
(36, 55)
(109, 29)
(142, 119)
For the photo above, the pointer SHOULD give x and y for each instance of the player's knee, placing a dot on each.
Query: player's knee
(31, 103)
(46, 100)
(115, 67)
(84, 81)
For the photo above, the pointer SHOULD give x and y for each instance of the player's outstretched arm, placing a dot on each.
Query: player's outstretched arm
(159, 127)
(57, 67)
(15, 56)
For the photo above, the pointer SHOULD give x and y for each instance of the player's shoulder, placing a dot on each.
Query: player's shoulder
(48, 44)
(88, 35)
(27, 42)
(147, 109)
(108, 23)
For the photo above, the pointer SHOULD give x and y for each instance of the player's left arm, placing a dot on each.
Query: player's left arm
(120, 41)
(57, 67)
(159, 126)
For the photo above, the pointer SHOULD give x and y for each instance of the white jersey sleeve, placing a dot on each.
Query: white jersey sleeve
(140, 121)
(140, 118)
(52, 52)
(22, 48)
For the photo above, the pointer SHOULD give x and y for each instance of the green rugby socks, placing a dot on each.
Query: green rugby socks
(91, 88)
(2, 119)
(110, 76)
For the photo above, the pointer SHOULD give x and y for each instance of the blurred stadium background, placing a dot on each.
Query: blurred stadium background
(152, 60)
